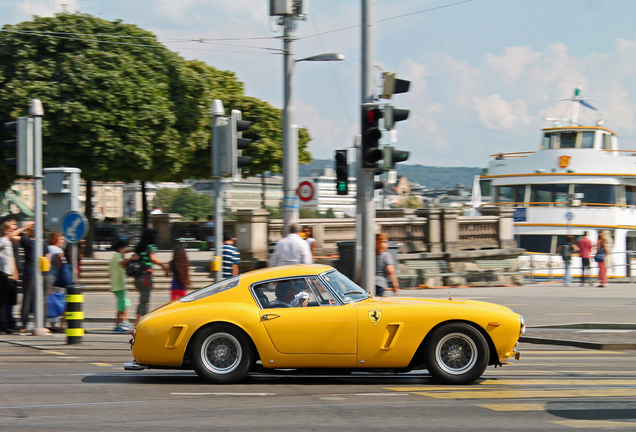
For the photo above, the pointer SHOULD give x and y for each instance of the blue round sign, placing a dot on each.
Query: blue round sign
(74, 226)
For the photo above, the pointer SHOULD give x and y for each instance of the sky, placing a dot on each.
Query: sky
(484, 73)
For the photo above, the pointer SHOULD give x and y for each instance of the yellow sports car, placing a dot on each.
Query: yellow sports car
(312, 316)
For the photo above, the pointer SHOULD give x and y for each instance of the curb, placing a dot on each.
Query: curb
(578, 344)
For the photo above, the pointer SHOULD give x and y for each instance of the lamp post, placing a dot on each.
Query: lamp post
(290, 127)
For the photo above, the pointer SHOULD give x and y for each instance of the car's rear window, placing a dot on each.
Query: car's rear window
(209, 290)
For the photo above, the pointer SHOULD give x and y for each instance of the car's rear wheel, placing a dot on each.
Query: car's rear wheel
(221, 354)
(456, 354)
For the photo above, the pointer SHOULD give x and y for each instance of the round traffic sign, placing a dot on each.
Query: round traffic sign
(74, 226)
(305, 191)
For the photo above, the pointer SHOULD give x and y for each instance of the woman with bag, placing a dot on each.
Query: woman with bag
(55, 281)
(146, 253)
(601, 252)
(8, 277)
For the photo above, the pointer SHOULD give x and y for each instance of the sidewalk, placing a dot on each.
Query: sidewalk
(585, 317)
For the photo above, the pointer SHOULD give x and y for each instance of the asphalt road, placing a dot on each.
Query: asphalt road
(86, 389)
(49, 386)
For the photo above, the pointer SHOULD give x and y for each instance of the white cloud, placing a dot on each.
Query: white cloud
(512, 64)
(498, 114)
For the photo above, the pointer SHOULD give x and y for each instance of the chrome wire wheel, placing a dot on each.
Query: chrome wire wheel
(221, 353)
(456, 353)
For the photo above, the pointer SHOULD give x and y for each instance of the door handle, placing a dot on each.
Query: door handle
(269, 317)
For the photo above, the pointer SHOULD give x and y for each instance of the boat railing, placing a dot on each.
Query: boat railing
(551, 265)
(555, 204)
(499, 156)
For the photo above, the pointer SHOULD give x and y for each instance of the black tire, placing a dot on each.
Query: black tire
(456, 353)
(221, 354)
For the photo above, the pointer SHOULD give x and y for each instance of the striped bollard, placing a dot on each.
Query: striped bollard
(74, 314)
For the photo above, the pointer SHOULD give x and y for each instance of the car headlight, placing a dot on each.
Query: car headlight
(522, 330)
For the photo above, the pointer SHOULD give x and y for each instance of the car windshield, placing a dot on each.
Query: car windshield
(209, 290)
(347, 291)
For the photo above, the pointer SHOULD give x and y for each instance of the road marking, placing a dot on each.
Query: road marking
(562, 314)
(605, 331)
(66, 357)
(103, 364)
(548, 352)
(515, 407)
(594, 424)
(569, 358)
(223, 394)
(530, 394)
(560, 381)
(332, 398)
(55, 352)
(381, 394)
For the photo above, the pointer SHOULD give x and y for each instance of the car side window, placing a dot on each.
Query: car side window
(322, 295)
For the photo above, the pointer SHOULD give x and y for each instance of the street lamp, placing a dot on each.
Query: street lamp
(290, 127)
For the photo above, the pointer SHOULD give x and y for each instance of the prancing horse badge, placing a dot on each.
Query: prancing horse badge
(375, 316)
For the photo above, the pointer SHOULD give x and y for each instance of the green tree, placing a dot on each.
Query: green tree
(330, 214)
(189, 204)
(307, 213)
(164, 199)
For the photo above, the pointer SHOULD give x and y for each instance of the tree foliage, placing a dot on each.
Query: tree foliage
(124, 107)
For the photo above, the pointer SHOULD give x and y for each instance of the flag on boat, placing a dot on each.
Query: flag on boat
(475, 199)
(587, 104)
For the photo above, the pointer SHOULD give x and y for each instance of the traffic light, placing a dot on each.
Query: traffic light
(342, 173)
(233, 145)
(391, 156)
(371, 135)
(22, 146)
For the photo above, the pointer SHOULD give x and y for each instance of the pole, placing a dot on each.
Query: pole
(36, 111)
(365, 177)
(218, 124)
(290, 130)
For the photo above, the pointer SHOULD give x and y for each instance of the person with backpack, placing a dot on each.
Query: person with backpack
(566, 250)
(146, 254)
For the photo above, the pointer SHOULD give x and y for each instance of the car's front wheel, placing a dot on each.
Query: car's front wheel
(221, 354)
(456, 353)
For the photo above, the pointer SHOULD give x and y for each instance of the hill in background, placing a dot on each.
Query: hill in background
(432, 177)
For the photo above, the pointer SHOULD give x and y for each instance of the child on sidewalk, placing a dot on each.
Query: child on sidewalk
(180, 268)
(118, 287)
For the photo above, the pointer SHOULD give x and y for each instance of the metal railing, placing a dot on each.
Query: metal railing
(550, 265)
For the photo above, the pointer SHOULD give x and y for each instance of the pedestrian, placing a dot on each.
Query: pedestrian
(56, 256)
(27, 241)
(156, 210)
(566, 251)
(15, 242)
(231, 257)
(180, 268)
(146, 252)
(291, 249)
(585, 246)
(384, 267)
(118, 287)
(211, 239)
(599, 257)
(309, 237)
(608, 243)
(8, 278)
(123, 234)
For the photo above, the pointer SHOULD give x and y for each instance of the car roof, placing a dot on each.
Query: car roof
(285, 271)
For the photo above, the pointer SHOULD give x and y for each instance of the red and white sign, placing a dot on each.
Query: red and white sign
(305, 191)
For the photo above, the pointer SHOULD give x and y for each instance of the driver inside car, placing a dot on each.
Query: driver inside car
(284, 292)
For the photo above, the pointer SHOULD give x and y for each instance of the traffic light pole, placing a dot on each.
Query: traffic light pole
(290, 131)
(36, 111)
(365, 204)
(219, 120)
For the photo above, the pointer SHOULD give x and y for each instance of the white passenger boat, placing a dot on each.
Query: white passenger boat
(578, 180)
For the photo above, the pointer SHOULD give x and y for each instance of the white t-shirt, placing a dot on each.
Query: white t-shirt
(7, 261)
(291, 249)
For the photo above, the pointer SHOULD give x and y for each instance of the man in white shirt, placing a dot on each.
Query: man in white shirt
(291, 249)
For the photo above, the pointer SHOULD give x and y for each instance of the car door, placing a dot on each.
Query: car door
(322, 327)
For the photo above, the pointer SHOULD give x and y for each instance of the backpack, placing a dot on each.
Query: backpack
(134, 268)
(566, 252)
